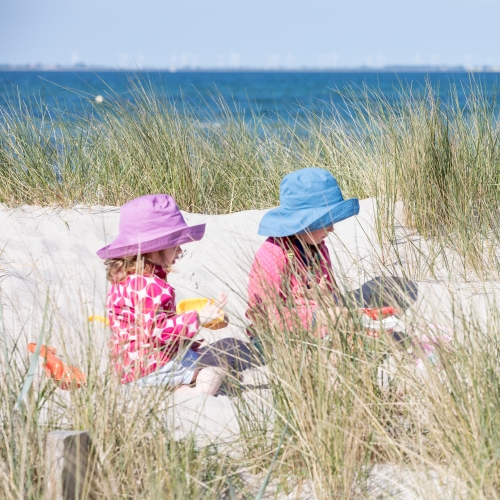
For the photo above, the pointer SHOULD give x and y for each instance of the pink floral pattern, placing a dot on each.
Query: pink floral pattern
(146, 331)
(273, 281)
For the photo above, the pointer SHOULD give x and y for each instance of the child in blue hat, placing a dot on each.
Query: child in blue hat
(294, 257)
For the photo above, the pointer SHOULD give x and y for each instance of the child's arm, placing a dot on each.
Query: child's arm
(167, 328)
(163, 323)
(269, 288)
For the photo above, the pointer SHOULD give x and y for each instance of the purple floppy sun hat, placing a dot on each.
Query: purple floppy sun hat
(150, 223)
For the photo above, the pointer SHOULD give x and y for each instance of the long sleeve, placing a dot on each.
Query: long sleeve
(146, 331)
(167, 325)
(149, 302)
(272, 289)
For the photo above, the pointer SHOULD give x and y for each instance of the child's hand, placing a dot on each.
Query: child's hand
(213, 309)
(331, 315)
(338, 312)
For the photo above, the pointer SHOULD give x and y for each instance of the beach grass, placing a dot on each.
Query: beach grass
(340, 408)
(335, 411)
(438, 157)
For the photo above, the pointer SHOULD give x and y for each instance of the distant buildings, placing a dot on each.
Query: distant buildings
(79, 67)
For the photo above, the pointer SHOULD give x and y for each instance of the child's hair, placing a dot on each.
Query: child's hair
(118, 269)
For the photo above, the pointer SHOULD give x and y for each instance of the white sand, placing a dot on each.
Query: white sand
(49, 254)
(47, 250)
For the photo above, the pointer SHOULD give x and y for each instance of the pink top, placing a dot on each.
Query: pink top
(279, 276)
(146, 331)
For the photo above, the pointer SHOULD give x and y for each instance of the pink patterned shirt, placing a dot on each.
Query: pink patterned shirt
(146, 331)
(279, 280)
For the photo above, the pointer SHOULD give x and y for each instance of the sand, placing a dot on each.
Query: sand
(48, 267)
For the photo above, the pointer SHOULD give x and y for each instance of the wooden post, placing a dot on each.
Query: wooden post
(66, 458)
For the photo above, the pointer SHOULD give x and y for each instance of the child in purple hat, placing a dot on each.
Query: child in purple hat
(150, 343)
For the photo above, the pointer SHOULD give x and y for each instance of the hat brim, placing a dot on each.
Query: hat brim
(281, 222)
(181, 236)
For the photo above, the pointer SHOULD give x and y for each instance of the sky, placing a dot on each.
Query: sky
(267, 34)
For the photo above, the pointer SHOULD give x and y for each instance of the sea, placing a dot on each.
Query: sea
(266, 94)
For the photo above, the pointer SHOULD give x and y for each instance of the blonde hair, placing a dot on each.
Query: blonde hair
(118, 269)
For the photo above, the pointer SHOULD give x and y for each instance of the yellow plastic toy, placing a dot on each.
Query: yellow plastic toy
(192, 304)
(197, 304)
(101, 319)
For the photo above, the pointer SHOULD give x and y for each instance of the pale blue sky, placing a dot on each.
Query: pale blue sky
(251, 33)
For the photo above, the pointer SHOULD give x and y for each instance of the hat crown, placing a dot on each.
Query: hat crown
(150, 223)
(150, 215)
(309, 197)
(309, 188)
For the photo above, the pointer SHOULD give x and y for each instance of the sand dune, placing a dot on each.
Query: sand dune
(48, 266)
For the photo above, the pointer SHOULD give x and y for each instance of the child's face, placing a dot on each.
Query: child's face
(167, 257)
(317, 236)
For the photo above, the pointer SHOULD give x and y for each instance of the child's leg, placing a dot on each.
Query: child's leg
(384, 291)
(228, 353)
(208, 381)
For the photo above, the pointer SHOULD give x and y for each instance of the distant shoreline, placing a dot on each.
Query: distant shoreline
(361, 69)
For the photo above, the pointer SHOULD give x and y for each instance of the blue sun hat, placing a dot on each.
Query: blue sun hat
(310, 199)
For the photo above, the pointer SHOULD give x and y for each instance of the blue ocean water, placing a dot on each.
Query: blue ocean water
(267, 93)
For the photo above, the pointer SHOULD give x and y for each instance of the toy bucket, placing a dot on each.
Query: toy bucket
(373, 327)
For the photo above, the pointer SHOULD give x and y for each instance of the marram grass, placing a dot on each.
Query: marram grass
(326, 421)
(329, 421)
(442, 159)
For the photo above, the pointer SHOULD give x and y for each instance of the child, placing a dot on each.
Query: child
(150, 343)
(294, 256)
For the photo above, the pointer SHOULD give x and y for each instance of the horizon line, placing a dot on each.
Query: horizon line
(420, 68)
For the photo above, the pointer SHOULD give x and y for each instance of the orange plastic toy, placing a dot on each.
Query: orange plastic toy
(380, 312)
(68, 377)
